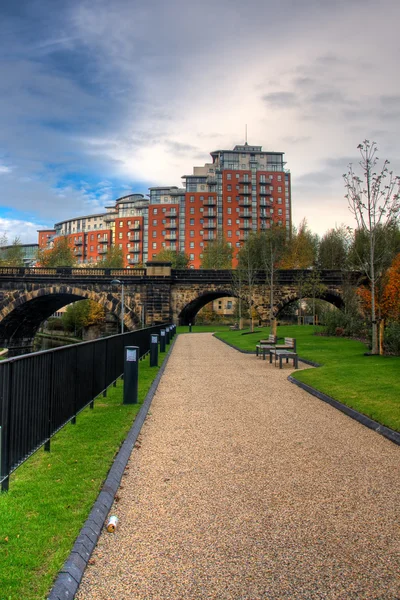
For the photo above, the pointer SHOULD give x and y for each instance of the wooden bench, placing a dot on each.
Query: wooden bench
(264, 346)
(287, 351)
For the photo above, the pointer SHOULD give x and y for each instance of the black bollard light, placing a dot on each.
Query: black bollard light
(162, 340)
(131, 374)
(154, 350)
(167, 335)
(190, 328)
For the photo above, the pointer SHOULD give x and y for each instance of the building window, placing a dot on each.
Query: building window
(191, 221)
(229, 176)
(229, 188)
(229, 233)
(229, 222)
(229, 199)
(154, 221)
(121, 223)
(191, 256)
(120, 235)
(279, 200)
(154, 245)
(154, 233)
(191, 233)
(191, 198)
(191, 245)
(192, 210)
(154, 211)
(229, 210)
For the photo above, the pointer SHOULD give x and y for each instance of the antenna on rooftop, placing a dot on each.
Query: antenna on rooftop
(245, 134)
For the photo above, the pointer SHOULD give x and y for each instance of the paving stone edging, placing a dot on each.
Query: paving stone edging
(70, 575)
(388, 433)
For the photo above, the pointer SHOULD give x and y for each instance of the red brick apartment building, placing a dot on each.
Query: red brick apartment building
(241, 191)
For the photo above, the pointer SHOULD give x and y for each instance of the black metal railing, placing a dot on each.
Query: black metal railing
(43, 391)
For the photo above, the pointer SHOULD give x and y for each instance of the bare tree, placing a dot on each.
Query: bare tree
(374, 200)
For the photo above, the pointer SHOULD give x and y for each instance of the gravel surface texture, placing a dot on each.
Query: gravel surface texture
(243, 486)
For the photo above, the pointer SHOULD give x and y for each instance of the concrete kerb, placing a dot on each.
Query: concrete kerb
(388, 433)
(67, 583)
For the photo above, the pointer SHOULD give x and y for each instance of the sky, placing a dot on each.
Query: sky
(99, 99)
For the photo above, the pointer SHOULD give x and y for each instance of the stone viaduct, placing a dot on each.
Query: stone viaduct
(29, 296)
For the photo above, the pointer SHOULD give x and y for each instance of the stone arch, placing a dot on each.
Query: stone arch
(22, 312)
(331, 296)
(187, 311)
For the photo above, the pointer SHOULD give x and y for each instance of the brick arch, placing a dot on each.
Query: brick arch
(187, 307)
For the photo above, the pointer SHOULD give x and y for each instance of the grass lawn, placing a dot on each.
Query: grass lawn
(52, 494)
(369, 384)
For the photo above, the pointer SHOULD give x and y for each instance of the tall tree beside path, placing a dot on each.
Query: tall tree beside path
(374, 200)
(273, 244)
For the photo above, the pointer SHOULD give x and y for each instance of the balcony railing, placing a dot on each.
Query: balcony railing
(210, 225)
(102, 240)
(102, 250)
(171, 237)
(172, 215)
(244, 225)
(210, 213)
(245, 215)
(78, 253)
(208, 237)
(134, 226)
(244, 192)
(78, 242)
(171, 225)
(244, 202)
(210, 202)
(265, 192)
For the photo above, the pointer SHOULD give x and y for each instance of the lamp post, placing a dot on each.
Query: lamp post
(121, 283)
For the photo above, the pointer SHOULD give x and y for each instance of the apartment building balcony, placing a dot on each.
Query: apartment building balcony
(264, 203)
(134, 226)
(244, 225)
(78, 242)
(243, 237)
(171, 237)
(133, 237)
(244, 180)
(244, 202)
(264, 215)
(132, 261)
(102, 250)
(79, 253)
(210, 213)
(211, 180)
(172, 215)
(244, 192)
(134, 250)
(245, 215)
(210, 225)
(264, 192)
(208, 237)
(210, 202)
(102, 240)
(171, 225)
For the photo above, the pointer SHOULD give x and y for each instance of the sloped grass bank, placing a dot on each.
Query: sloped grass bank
(369, 384)
(52, 494)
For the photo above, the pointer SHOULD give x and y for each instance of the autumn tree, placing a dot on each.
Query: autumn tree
(302, 248)
(217, 254)
(374, 200)
(313, 288)
(179, 259)
(61, 255)
(81, 314)
(245, 274)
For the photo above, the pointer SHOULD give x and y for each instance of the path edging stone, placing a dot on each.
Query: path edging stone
(388, 433)
(67, 583)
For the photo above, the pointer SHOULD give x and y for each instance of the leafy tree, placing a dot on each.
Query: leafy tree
(313, 288)
(114, 259)
(13, 256)
(81, 314)
(245, 274)
(272, 248)
(334, 249)
(217, 254)
(374, 200)
(302, 248)
(61, 255)
(179, 259)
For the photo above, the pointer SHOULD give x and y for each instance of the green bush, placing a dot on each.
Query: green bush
(55, 324)
(337, 322)
(392, 339)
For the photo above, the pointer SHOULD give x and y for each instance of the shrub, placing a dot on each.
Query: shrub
(392, 338)
(337, 322)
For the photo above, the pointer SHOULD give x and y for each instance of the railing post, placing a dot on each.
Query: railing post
(50, 407)
(162, 340)
(154, 350)
(73, 420)
(5, 432)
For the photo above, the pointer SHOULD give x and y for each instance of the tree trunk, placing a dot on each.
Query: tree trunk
(381, 336)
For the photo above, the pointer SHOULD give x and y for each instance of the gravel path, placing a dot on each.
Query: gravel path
(246, 487)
